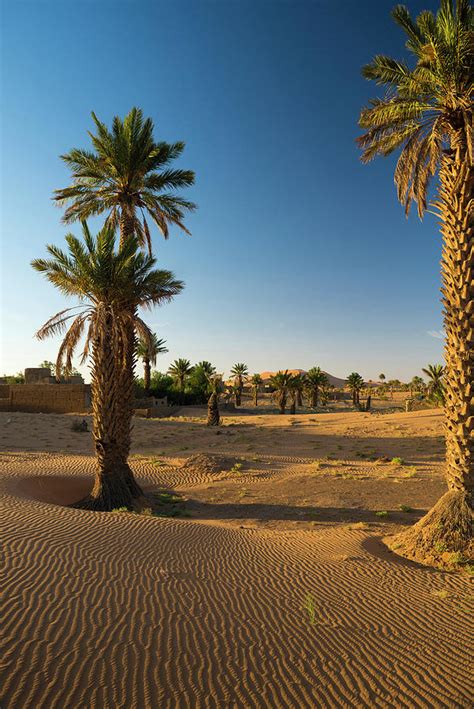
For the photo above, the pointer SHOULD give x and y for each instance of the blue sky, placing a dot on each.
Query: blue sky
(299, 254)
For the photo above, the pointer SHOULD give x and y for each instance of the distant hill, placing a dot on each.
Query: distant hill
(334, 381)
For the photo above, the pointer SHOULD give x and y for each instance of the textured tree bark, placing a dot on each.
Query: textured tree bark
(126, 368)
(111, 485)
(282, 402)
(213, 417)
(255, 396)
(238, 397)
(456, 197)
(448, 526)
(146, 376)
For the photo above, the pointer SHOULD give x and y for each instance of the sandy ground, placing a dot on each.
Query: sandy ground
(272, 588)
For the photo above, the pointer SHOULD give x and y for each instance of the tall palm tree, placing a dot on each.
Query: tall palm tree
(103, 278)
(435, 374)
(256, 381)
(127, 175)
(280, 382)
(427, 111)
(239, 371)
(180, 371)
(355, 383)
(148, 352)
(315, 378)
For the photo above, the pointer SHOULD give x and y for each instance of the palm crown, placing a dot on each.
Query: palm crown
(102, 278)
(179, 370)
(427, 107)
(151, 349)
(127, 175)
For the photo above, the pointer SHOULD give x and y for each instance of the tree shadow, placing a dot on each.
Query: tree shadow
(270, 512)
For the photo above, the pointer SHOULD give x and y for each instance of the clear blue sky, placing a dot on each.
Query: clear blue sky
(299, 254)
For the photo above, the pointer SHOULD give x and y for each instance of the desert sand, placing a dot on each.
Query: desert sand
(271, 588)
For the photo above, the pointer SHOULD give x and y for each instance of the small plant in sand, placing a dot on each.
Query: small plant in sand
(381, 513)
(405, 508)
(310, 608)
(236, 468)
(397, 461)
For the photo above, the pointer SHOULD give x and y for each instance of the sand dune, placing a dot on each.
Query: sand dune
(119, 610)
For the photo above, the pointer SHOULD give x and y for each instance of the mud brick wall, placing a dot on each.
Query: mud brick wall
(57, 399)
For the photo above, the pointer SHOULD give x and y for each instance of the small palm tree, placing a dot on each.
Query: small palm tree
(239, 371)
(180, 371)
(382, 377)
(427, 111)
(206, 367)
(103, 278)
(215, 389)
(416, 384)
(127, 175)
(315, 378)
(355, 383)
(256, 381)
(293, 388)
(280, 383)
(148, 352)
(435, 374)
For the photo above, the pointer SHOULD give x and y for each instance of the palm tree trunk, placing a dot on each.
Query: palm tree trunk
(238, 397)
(213, 417)
(282, 402)
(127, 369)
(147, 375)
(255, 397)
(293, 405)
(111, 485)
(456, 196)
(449, 524)
(299, 399)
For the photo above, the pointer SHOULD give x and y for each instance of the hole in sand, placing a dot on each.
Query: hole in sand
(56, 489)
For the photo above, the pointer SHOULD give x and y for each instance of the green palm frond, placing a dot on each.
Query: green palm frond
(127, 172)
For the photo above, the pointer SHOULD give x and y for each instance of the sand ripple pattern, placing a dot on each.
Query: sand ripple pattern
(114, 610)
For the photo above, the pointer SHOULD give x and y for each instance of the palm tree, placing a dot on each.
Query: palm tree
(180, 371)
(215, 389)
(315, 378)
(382, 377)
(435, 374)
(281, 382)
(355, 383)
(427, 111)
(103, 278)
(148, 352)
(126, 176)
(293, 388)
(256, 382)
(416, 384)
(239, 371)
